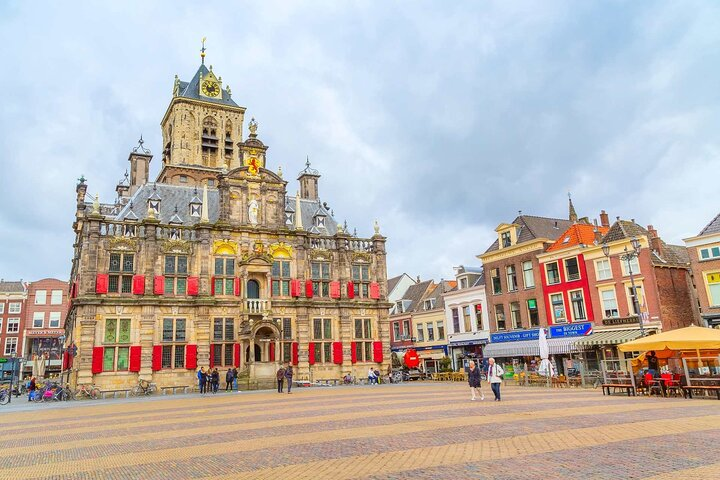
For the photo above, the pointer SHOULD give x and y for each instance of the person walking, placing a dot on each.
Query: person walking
(215, 380)
(371, 376)
(495, 373)
(235, 380)
(289, 376)
(280, 376)
(32, 389)
(474, 381)
(229, 380)
(202, 379)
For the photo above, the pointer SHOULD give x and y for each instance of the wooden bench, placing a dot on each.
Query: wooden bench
(687, 389)
(182, 388)
(623, 386)
(114, 393)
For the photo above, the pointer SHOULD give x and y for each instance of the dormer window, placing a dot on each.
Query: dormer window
(155, 205)
(505, 239)
(129, 230)
(429, 304)
(195, 209)
(463, 282)
(289, 218)
(399, 306)
(320, 221)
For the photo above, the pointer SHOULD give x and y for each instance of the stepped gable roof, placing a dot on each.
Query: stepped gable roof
(11, 287)
(309, 209)
(624, 229)
(172, 196)
(191, 89)
(577, 234)
(532, 227)
(712, 227)
(670, 256)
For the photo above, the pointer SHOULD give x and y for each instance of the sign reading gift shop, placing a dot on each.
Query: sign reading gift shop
(554, 331)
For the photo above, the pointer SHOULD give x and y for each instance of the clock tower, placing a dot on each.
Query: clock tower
(201, 130)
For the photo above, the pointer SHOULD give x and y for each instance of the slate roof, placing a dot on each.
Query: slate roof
(11, 287)
(532, 227)
(415, 293)
(624, 229)
(670, 255)
(392, 282)
(435, 292)
(309, 209)
(577, 234)
(712, 227)
(191, 89)
(463, 269)
(480, 280)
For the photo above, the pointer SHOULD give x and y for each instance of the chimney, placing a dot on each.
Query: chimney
(418, 279)
(139, 159)
(604, 220)
(598, 235)
(655, 242)
(309, 182)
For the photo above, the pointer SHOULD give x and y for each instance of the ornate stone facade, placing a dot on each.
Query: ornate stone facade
(216, 265)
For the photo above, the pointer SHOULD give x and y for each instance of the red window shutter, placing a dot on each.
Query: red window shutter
(192, 286)
(272, 351)
(308, 289)
(138, 285)
(101, 283)
(135, 355)
(73, 290)
(191, 356)
(159, 285)
(237, 286)
(350, 290)
(311, 353)
(295, 288)
(236, 356)
(377, 352)
(97, 360)
(353, 353)
(66, 360)
(337, 353)
(212, 355)
(157, 358)
(375, 290)
(212, 286)
(295, 353)
(271, 288)
(334, 289)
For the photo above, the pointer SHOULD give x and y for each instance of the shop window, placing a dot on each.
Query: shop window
(281, 278)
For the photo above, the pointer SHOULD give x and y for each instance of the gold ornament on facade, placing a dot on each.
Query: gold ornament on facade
(176, 246)
(122, 243)
(280, 250)
(320, 254)
(362, 257)
(225, 247)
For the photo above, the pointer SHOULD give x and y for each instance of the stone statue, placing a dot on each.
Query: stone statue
(253, 210)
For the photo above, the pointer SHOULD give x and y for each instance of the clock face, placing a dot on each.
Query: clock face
(210, 88)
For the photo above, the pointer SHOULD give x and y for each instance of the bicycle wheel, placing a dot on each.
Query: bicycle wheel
(136, 391)
(4, 397)
(95, 393)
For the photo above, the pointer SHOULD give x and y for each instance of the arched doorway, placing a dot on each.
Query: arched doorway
(253, 289)
(257, 356)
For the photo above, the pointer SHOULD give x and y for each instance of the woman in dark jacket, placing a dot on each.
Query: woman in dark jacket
(474, 381)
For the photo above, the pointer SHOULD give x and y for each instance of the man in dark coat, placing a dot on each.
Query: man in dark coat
(202, 379)
(289, 376)
(280, 375)
(228, 380)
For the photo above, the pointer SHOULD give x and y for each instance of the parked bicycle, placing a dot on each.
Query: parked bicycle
(143, 388)
(4, 396)
(86, 391)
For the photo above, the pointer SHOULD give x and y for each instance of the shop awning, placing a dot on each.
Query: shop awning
(529, 348)
(612, 337)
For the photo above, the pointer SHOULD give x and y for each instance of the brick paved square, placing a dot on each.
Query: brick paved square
(413, 431)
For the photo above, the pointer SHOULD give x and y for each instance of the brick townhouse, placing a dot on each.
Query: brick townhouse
(704, 252)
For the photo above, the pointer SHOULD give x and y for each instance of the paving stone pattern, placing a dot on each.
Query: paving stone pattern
(415, 431)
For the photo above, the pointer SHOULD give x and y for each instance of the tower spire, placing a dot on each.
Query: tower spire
(202, 51)
(572, 215)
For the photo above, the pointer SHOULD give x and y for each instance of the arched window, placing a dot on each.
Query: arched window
(209, 138)
(253, 289)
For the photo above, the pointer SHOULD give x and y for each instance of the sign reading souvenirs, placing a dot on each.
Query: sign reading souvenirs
(554, 331)
(44, 333)
(632, 320)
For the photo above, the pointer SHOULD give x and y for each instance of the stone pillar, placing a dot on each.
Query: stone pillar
(202, 335)
(147, 341)
(204, 255)
(85, 344)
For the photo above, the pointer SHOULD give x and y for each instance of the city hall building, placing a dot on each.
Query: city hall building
(219, 263)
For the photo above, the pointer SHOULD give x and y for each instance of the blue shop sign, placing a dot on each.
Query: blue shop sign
(515, 336)
(570, 330)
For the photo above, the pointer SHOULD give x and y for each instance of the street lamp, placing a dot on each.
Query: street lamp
(12, 377)
(627, 256)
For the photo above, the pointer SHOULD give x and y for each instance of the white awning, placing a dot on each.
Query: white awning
(530, 348)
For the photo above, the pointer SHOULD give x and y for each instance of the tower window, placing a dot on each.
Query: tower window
(228, 144)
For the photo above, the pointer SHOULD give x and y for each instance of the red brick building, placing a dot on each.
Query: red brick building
(13, 297)
(401, 324)
(704, 252)
(45, 314)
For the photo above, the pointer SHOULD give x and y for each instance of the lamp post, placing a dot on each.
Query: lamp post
(628, 256)
(61, 340)
(12, 377)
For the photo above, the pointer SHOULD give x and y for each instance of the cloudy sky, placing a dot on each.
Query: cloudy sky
(440, 119)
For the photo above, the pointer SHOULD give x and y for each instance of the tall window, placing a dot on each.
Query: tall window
(320, 274)
(174, 339)
(441, 330)
(528, 277)
(533, 313)
(578, 305)
(430, 332)
(361, 280)
(116, 343)
(14, 307)
(511, 278)
(407, 332)
(640, 299)
(603, 269)
(464, 282)
(478, 316)
(10, 345)
(558, 308)
(224, 276)
(176, 269)
(634, 265)
(13, 325)
(223, 341)
(40, 297)
(122, 267)
(495, 279)
(363, 339)
(571, 269)
(500, 317)
(322, 337)
(553, 274)
(2, 307)
(467, 318)
(286, 338)
(609, 302)
(281, 278)
(713, 285)
(420, 333)
(515, 315)
(505, 239)
(56, 297)
(456, 320)
(54, 320)
(396, 331)
(38, 319)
